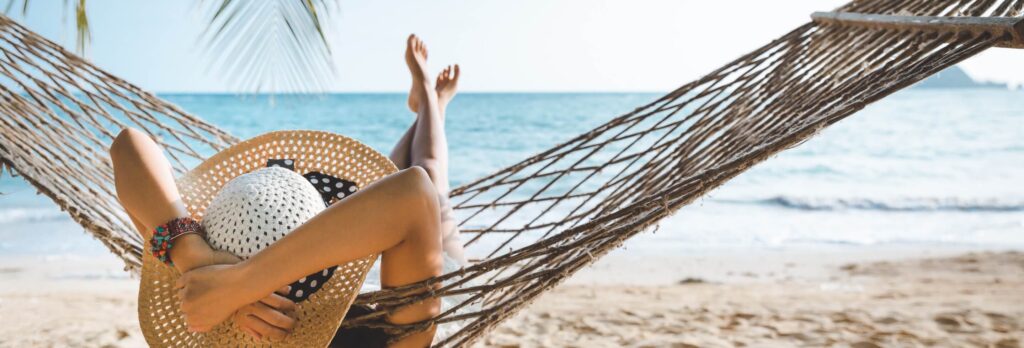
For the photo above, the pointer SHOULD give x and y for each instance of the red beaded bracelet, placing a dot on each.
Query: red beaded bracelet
(164, 236)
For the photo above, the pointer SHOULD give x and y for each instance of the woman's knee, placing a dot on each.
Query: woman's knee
(128, 145)
(430, 167)
(420, 192)
(416, 180)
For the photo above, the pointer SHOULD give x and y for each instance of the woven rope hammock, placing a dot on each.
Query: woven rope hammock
(539, 221)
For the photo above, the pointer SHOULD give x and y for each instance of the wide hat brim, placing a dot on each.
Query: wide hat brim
(319, 316)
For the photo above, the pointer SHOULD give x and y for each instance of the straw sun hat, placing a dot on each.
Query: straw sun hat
(245, 206)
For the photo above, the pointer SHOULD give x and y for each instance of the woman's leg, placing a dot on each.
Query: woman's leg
(429, 148)
(445, 88)
(430, 151)
(400, 153)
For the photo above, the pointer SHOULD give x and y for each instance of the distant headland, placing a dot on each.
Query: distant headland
(955, 77)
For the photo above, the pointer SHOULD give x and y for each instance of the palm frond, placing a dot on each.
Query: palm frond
(11, 3)
(269, 45)
(81, 27)
(82, 34)
(257, 45)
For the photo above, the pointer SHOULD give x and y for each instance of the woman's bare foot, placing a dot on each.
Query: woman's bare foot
(446, 86)
(416, 60)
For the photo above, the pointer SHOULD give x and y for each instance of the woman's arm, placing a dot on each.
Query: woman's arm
(146, 188)
(397, 215)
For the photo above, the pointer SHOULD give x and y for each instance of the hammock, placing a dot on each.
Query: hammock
(539, 221)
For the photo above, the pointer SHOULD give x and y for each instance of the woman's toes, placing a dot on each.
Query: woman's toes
(419, 46)
(442, 77)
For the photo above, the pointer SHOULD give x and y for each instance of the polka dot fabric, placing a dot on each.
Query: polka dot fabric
(321, 312)
(330, 189)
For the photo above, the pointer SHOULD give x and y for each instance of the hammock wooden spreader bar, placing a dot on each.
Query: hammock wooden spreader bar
(533, 224)
(1008, 30)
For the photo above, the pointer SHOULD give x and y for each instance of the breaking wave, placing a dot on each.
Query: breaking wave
(893, 205)
(14, 215)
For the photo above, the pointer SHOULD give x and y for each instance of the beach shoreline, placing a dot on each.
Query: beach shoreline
(843, 295)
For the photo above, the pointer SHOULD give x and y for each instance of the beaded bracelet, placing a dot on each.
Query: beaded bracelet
(164, 236)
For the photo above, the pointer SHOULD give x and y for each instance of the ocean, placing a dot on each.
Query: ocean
(922, 167)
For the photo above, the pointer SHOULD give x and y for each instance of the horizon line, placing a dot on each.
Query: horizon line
(403, 92)
(236, 93)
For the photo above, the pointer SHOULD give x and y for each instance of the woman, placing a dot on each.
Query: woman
(215, 285)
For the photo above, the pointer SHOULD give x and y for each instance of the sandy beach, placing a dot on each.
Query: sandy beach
(845, 175)
(973, 299)
(848, 297)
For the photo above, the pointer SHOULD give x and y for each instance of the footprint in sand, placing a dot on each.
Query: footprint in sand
(1008, 343)
(961, 322)
(1002, 322)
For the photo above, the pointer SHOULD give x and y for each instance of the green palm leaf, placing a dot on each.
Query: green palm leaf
(257, 45)
(276, 45)
(81, 25)
(82, 34)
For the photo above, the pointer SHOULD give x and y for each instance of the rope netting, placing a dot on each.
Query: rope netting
(59, 115)
(533, 224)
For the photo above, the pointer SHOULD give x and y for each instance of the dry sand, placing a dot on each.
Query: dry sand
(67, 302)
(971, 300)
(865, 298)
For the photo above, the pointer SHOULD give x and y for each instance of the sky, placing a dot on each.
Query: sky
(521, 45)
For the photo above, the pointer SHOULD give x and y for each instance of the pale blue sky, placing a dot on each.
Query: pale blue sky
(521, 45)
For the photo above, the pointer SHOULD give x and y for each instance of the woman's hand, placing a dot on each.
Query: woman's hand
(264, 318)
(267, 318)
(210, 294)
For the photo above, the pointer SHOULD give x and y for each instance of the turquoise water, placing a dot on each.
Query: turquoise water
(921, 167)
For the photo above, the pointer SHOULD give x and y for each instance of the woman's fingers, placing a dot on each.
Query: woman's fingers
(267, 318)
(261, 319)
(272, 316)
(278, 302)
(254, 319)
